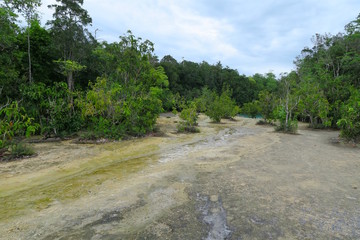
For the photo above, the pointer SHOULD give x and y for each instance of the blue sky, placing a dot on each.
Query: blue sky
(254, 36)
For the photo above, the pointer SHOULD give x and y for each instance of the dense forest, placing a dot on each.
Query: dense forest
(58, 80)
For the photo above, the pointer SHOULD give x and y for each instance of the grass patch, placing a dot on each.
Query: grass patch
(17, 151)
(182, 127)
(263, 122)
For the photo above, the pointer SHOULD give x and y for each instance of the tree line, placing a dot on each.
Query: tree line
(324, 90)
(58, 80)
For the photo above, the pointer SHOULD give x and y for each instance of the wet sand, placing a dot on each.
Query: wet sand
(233, 180)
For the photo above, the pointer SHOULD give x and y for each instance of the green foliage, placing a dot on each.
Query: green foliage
(287, 111)
(350, 121)
(205, 100)
(188, 79)
(189, 118)
(42, 53)
(27, 8)
(251, 109)
(167, 99)
(49, 106)
(327, 72)
(117, 109)
(62, 117)
(19, 150)
(215, 110)
(266, 104)
(14, 123)
(128, 87)
(219, 107)
(230, 109)
(10, 55)
(72, 42)
(313, 104)
(67, 67)
(286, 125)
(265, 83)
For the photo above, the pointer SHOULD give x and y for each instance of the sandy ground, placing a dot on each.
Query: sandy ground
(233, 180)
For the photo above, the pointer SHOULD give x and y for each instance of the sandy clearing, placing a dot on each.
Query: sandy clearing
(234, 180)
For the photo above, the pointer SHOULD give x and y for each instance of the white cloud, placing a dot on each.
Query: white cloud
(253, 36)
(173, 24)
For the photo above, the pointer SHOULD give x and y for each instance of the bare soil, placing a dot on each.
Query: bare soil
(234, 180)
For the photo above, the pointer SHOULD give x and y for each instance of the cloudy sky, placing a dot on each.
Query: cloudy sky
(254, 36)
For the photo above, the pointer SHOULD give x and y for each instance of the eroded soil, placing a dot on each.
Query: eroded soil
(233, 180)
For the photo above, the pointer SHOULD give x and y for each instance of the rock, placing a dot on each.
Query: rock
(214, 198)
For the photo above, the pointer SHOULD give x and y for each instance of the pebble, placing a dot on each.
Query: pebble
(214, 198)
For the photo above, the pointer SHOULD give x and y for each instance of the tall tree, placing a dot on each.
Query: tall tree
(289, 101)
(128, 97)
(9, 54)
(70, 35)
(27, 8)
(313, 103)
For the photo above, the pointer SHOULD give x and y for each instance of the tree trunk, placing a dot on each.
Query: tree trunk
(287, 111)
(29, 55)
(70, 82)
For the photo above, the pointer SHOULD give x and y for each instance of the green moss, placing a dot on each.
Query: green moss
(70, 183)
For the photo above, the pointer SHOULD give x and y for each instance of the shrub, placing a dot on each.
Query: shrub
(350, 121)
(51, 107)
(222, 107)
(20, 150)
(229, 107)
(14, 123)
(267, 103)
(287, 125)
(114, 111)
(205, 100)
(291, 127)
(189, 119)
(251, 109)
(215, 110)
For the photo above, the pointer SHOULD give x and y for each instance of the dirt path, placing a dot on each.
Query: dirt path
(232, 181)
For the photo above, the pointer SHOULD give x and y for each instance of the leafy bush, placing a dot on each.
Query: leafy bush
(14, 123)
(51, 108)
(113, 110)
(205, 100)
(350, 121)
(289, 125)
(221, 106)
(230, 109)
(129, 96)
(267, 103)
(20, 150)
(263, 122)
(251, 109)
(189, 119)
(314, 105)
(215, 110)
